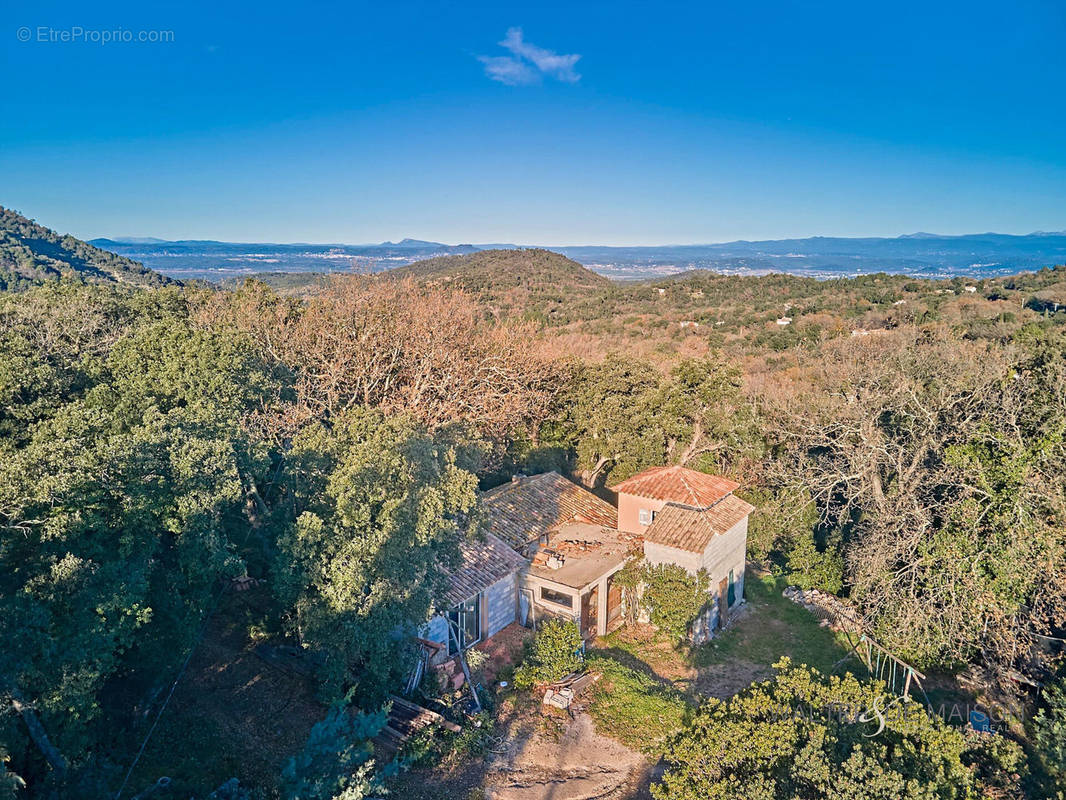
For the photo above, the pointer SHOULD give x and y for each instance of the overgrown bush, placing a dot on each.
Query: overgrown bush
(1049, 732)
(336, 762)
(811, 568)
(437, 746)
(552, 654)
(674, 597)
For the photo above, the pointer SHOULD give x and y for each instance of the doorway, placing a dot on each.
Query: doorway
(723, 602)
(614, 603)
(590, 609)
(466, 619)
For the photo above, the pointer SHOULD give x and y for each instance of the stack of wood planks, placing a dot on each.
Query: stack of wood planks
(406, 719)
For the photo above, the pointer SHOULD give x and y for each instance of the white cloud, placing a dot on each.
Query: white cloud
(509, 70)
(528, 63)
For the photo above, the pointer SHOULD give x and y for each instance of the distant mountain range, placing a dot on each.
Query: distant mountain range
(921, 254)
(31, 253)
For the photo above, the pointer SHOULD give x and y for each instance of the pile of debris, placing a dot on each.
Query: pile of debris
(834, 612)
(548, 558)
(451, 674)
(406, 719)
(565, 691)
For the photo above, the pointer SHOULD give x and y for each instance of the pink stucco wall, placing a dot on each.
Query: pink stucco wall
(629, 511)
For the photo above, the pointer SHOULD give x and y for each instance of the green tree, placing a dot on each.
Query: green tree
(1049, 732)
(610, 419)
(700, 408)
(378, 505)
(811, 568)
(805, 736)
(623, 415)
(552, 655)
(336, 762)
(120, 505)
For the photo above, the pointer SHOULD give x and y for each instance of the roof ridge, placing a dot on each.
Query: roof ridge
(691, 491)
(511, 484)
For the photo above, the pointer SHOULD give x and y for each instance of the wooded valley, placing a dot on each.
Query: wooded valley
(903, 441)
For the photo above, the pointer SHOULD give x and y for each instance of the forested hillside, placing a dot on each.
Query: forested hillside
(903, 440)
(31, 254)
(531, 283)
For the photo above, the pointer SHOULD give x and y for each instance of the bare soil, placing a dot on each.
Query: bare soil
(538, 753)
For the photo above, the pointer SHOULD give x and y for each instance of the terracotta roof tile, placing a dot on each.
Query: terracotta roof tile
(678, 484)
(523, 510)
(485, 561)
(692, 529)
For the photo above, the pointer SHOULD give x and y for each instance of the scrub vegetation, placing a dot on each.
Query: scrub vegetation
(903, 441)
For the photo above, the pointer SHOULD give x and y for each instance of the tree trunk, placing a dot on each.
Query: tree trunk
(588, 476)
(39, 735)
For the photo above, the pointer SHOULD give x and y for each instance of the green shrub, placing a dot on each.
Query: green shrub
(475, 659)
(810, 568)
(552, 654)
(1049, 732)
(674, 597)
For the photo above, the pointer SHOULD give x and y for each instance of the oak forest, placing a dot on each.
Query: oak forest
(228, 512)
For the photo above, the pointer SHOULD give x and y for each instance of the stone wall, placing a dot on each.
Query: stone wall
(839, 615)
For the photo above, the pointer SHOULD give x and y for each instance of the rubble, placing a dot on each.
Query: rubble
(831, 609)
(560, 699)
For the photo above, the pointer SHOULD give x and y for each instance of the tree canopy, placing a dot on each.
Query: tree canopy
(805, 736)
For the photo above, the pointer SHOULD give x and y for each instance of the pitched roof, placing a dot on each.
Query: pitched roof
(678, 484)
(485, 561)
(529, 507)
(692, 529)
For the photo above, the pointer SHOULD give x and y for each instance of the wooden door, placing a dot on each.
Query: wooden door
(614, 600)
(590, 612)
(723, 601)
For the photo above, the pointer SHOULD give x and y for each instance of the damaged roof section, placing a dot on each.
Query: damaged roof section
(528, 508)
(579, 553)
(692, 529)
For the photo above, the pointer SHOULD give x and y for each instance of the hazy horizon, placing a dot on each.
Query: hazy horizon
(147, 239)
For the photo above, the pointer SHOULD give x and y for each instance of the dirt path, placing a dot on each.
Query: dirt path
(579, 764)
(542, 756)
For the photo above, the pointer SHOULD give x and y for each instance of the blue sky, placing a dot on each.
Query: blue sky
(590, 123)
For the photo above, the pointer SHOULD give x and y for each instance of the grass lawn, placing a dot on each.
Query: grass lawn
(634, 706)
(772, 627)
(649, 684)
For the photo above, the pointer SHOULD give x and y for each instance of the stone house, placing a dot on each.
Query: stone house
(551, 548)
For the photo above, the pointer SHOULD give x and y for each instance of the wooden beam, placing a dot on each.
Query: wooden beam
(425, 712)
